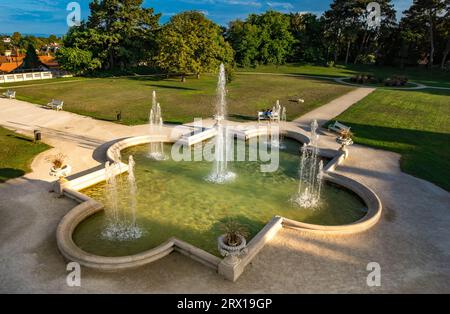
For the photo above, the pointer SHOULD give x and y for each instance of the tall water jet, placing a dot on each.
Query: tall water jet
(220, 173)
(121, 222)
(156, 149)
(132, 187)
(311, 172)
(111, 193)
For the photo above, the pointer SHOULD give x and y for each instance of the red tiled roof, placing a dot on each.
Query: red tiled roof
(49, 61)
(4, 59)
(9, 66)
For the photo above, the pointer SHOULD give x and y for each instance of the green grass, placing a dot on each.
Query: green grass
(101, 98)
(433, 77)
(16, 154)
(415, 124)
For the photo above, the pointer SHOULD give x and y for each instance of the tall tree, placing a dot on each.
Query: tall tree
(307, 30)
(347, 24)
(446, 31)
(264, 38)
(119, 33)
(422, 18)
(191, 43)
(245, 40)
(31, 60)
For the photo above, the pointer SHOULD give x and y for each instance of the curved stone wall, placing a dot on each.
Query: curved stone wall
(89, 207)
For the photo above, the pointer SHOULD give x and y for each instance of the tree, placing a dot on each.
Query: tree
(245, 40)
(31, 60)
(127, 29)
(347, 23)
(446, 30)
(190, 43)
(119, 33)
(307, 30)
(275, 37)
(264, 38)
(422, 18)
(77, 61)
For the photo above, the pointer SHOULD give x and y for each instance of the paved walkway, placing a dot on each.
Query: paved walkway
(411, 242)
(334, 108)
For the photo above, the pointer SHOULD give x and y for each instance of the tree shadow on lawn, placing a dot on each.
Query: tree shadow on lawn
(20, 138)
(173, 87)
(10, 173)
(161, 78)
(424, 154)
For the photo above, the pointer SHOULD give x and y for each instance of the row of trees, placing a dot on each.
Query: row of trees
(120, 34)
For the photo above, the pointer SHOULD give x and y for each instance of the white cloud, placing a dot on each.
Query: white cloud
(282, 5)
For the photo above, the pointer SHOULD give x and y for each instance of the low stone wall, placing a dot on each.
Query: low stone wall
(20, 77)
(231, 270)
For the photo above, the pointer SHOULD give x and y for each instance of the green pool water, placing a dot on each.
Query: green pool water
(174, 199)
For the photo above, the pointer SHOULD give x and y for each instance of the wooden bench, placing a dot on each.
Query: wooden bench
(9, 94)
(338, 127)
(55, 104)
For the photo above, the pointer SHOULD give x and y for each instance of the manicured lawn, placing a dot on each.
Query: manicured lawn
(101, 98)
(16, 154)
(434, 77)
(415, 124)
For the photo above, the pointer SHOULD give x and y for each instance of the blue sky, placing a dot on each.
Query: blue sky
(49, 16)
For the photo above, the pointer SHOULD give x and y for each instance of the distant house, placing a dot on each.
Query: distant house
(51, 48)
(49, 62)
(10, 63)
(7, 40)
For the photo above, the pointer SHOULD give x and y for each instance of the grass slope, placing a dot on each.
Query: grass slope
(101, 98)
(433, 77)
(16, 154)
(415, 124)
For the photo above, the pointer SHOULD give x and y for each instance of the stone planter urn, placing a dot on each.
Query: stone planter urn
(232, 253)
(344, 141)
(60, 172)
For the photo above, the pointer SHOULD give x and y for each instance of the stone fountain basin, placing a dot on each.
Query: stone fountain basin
(89, 207)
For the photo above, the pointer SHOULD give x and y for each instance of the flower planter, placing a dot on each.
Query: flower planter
(344, 141)
(232, 251)
(60, 172)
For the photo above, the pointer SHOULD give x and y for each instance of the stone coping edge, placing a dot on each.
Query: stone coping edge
(225, 267)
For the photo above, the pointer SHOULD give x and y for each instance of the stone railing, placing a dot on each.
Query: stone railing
(21, 77)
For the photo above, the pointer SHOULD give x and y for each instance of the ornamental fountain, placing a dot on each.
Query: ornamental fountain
(121, 220)
(311, 172)
(220, 173)
(156, 149)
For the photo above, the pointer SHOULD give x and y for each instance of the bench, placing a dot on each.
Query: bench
(274, 116)
(262, 116)
(338, 127)
(9, 94)
(55, 104)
